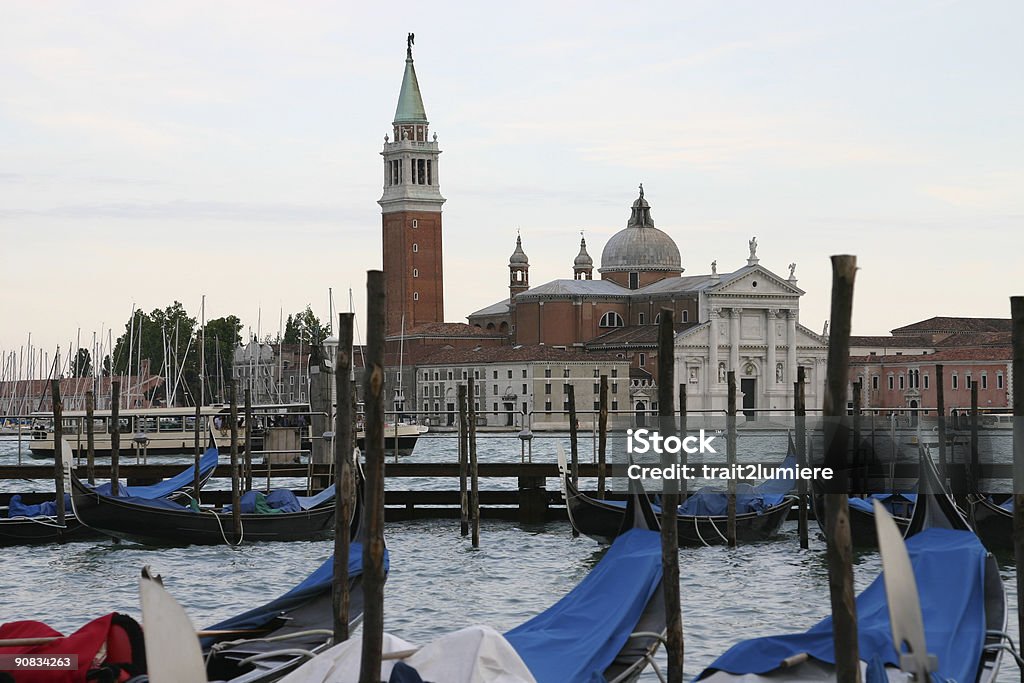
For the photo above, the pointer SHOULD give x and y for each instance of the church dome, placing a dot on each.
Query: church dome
(518, 257)
(640, 246)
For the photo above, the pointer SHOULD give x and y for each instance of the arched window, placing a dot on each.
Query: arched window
(415, 247)
(415, 296)
(415, 272)
(686, 316)
(611, 319)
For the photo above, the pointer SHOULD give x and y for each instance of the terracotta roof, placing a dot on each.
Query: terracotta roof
(448, 330)
(946, 355)
(956, 324)
(895, 342)
(514, 354)
(977, 339)
(633, 335)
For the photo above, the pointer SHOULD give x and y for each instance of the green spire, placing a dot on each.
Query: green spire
(410, 103)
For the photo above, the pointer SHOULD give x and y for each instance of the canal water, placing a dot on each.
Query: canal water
(437, 582)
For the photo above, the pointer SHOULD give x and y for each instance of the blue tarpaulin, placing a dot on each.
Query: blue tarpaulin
(949, 567)
(315, 584)
(183, 479)
(886, 499)
(578, 637)
(48, 508)
(280, 500)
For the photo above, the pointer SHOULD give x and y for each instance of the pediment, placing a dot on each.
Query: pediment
(756, 281)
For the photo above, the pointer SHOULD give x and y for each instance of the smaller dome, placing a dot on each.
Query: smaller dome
(583, 259)
(519, 257)
(640, 246)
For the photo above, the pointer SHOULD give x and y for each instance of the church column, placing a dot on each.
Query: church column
(770, 376)
(712, 382)
(734, 340)
(791, 345)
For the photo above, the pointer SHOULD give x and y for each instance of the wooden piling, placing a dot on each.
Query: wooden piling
(974, 471)
(860, 474)
(90, 437)
(463, 462)
(602, 438)
(58, 452)
(570, 396)
(474, 472)
(730, 450)
(839, 552)
(197, 451)
(940, 400)
(1017, 322)
(247, 466)
(670, 502)
(236, 493)
(800, 413)
(344, 444)
(373, 548)
(115, 435)
(682, 430)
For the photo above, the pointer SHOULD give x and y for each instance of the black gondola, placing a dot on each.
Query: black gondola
(994, 523)
(163, 523)
(602, 519)
(35, 530)
(282, 634)
(862, 518)
(771, 658)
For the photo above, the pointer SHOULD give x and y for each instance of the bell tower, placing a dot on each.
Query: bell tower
(411, 212)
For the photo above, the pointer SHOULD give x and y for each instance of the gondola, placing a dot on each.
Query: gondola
(34, 529)
(862, 516)
(563, 644)
(265, 643)
(162, 522)
(994, 523)
(962, 600)
(601, 519)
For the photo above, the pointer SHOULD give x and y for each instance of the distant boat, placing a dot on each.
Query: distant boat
(159, 431)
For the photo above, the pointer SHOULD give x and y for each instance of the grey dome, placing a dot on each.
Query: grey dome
(640, 246)
(518, 257)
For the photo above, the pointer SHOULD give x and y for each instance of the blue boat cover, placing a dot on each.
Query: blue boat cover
(280, 500)
(1008, 504)
(310, 502)
(949, 567)
(312, 586)
(886, 499)
(183, 479)
(578, 637)
(48, 508)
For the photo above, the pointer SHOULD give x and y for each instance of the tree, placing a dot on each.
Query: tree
(161, 337)
(82, 366)
(223, 336)
(306, 328)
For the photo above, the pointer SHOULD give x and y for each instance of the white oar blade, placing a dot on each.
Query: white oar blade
(902, 598)
(172, 648)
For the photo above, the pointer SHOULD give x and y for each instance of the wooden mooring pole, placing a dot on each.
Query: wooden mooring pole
(670, 502)
(344, 444)
(247, 467)
(58, 451)
(800, 413)
(682, 431)
(839, 552)
(570, 397)
(474, 471)
(1017, 322)
(236, 493)
(115, 435)
(730, 450)
(463, 462)
(197, 449)
(602, 438)
(940, 400)
(974, 470)
(859, 468)
(90, 437)
(373, 548)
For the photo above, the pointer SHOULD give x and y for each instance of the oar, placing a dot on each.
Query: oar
(172, 650)
(902, 598)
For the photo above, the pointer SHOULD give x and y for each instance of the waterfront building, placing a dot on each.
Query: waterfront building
(900, 374)
(517, 386)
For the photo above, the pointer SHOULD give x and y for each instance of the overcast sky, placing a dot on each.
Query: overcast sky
(159, 151)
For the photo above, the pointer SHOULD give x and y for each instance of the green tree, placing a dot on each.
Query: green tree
(223, 336)
(161, 337)
(82, 365)
(308, 329)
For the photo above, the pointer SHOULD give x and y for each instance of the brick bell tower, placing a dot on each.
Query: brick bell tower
(411, 213)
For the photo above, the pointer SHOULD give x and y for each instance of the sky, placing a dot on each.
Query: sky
(153, 152)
